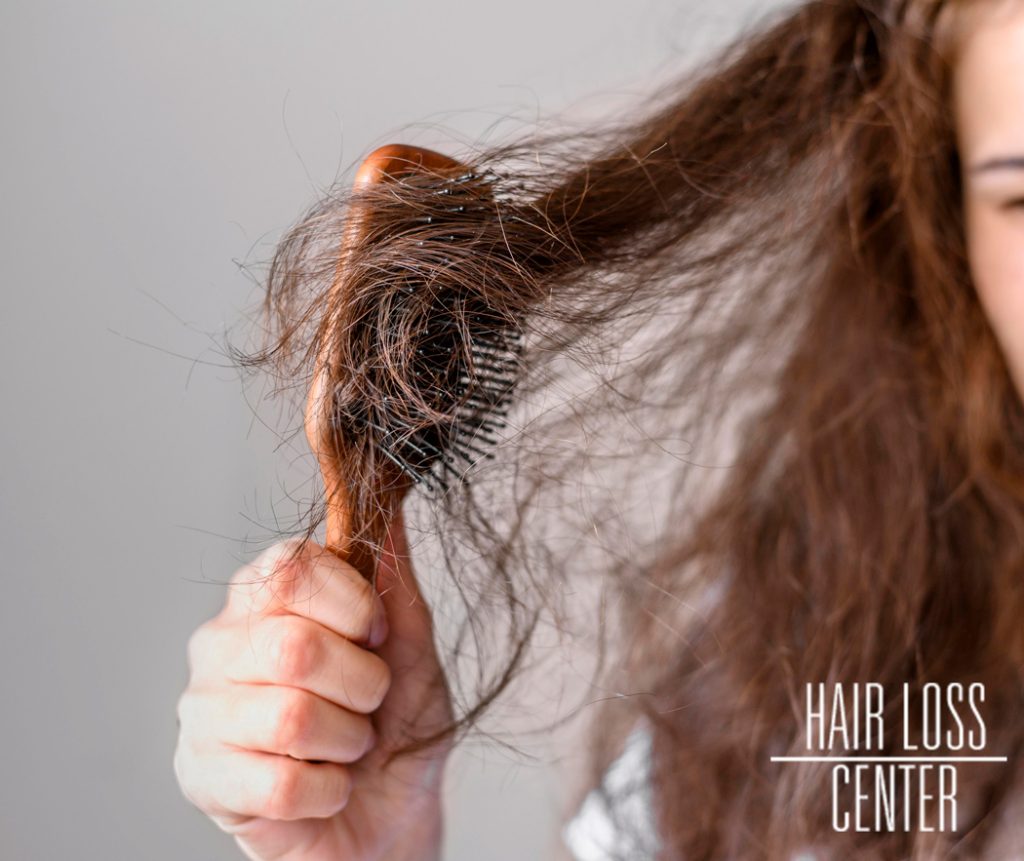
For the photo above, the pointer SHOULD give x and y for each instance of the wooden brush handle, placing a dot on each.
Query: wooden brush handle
(383, 163)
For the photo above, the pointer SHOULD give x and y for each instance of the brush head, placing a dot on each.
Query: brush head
(417, 368)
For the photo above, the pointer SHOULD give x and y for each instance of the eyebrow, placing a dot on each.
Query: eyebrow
(1000, 163)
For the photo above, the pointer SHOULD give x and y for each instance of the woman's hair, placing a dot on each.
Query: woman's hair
(759, 406)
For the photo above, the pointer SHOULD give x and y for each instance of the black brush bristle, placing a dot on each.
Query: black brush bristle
(442, 362)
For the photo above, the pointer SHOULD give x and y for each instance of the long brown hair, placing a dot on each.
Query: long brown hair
(748, 303)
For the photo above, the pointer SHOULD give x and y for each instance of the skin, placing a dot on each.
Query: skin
(988, 95)
(297, 689)
(306, 676)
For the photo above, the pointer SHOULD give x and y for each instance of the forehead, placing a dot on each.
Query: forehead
(987, 39)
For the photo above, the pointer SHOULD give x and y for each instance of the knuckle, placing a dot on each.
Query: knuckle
(197, 647)
(336, 788)
(243, 586)
(295, 651)
(293, 720)
(285, 793)
(271, 577)
(244, 575)
(183, 774)
(378, 682)
(344, 787)
(178, 765)
(367, 737)
(363, 605)
(181, 712)
(285, 569)
(185, 711)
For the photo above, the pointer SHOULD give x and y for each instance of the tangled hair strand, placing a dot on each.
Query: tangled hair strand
(747, 303)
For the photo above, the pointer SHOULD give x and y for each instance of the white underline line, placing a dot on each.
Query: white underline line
(889, 759)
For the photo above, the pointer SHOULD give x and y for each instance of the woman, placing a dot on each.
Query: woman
(810, 254)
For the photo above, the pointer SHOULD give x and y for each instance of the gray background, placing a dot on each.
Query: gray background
(147, 149)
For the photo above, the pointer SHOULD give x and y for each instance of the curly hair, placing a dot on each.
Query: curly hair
(758, 403)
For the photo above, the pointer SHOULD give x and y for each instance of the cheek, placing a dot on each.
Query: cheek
(995, 242)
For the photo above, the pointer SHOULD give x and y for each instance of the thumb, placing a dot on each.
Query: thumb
(419, 699)
(408, 615)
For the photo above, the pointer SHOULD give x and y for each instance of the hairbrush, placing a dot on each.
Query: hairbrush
(428, 363)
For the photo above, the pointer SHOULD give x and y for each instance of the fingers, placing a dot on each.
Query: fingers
(307, 580)
(300, 653)
(271, 719)
(250, 783)
(281, 685)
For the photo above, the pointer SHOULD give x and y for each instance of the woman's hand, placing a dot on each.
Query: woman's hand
(288, 714)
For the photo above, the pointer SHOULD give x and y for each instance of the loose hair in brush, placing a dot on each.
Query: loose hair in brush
(756, 401)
